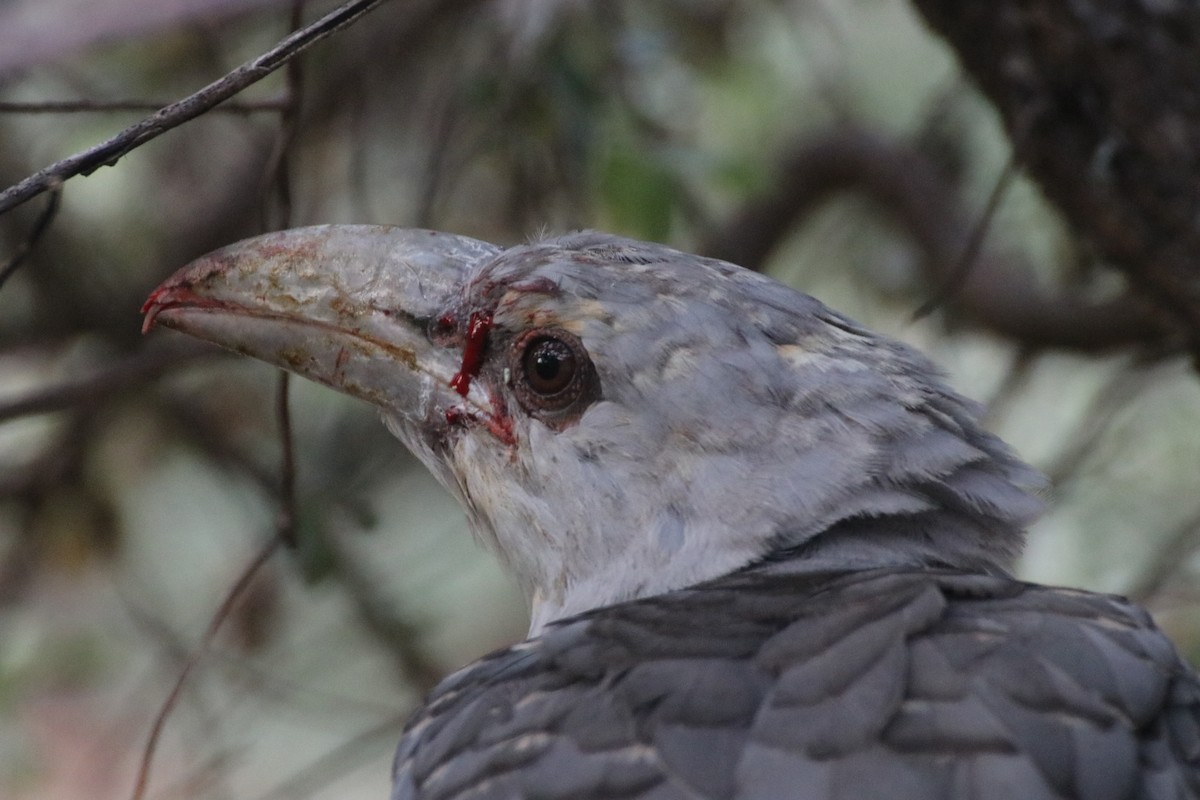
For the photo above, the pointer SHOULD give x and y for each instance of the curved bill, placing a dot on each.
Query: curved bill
(349, 306)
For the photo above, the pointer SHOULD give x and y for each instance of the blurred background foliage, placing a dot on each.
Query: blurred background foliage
(138, 476)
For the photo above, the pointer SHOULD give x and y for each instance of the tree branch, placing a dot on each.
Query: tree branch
(136, 369)
(997, 295)
(10, 265)
(109, 152)
(110, 106)
(1102, 103)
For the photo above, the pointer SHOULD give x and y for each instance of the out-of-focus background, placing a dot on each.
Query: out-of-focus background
(836, 144)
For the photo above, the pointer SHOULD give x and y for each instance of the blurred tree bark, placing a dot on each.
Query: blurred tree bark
(1101, 99)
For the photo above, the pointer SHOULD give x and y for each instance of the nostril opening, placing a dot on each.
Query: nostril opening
(443, 329)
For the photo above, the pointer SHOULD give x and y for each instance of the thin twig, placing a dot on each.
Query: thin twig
(999, 294)
(8, 267)
(1016, 379)
(444, 122)
(109, 152)
(278, 171)
(111, 106)
(280, 178)
(222, 613)
(286, 524)
(962, 269)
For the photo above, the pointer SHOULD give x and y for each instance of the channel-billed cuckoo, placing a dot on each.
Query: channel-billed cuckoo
(766, 550)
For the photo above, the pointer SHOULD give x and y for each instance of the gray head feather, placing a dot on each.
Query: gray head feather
(737, 421)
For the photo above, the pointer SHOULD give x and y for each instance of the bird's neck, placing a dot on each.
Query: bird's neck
(938, 538)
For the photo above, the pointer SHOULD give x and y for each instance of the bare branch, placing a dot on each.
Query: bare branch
(9, 266)
(219, 616)
(280, 179)
(109, 152)
(110, 106)
(279, 166)
(998, 295)
(958, 275)
(285, 526)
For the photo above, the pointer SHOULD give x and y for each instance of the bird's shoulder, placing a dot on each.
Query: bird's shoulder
(932, 683)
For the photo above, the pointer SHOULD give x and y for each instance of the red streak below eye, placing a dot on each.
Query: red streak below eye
(477, 334)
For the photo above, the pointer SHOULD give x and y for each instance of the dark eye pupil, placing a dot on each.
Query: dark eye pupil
(546, 365)
(549, 366)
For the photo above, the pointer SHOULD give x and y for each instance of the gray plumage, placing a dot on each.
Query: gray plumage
(766, 550)
(895, 683)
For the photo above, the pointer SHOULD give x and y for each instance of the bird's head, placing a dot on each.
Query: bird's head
(618, 418)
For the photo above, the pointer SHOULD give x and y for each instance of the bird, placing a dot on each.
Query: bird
(767, 552)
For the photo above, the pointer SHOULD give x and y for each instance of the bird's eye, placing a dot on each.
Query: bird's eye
(549, 366)
(552, 375)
